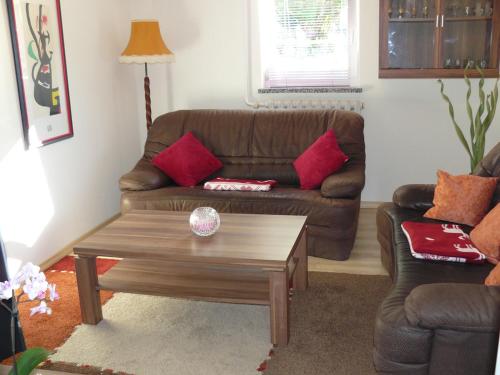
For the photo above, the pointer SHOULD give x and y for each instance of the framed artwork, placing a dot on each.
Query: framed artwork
(42, 81)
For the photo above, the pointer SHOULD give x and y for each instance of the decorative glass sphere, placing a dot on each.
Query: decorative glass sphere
(204, 221)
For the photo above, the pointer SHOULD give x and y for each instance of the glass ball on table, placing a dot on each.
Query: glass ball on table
(204, 221)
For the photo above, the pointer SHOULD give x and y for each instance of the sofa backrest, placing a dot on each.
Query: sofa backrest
(258, 144)
(490, 167)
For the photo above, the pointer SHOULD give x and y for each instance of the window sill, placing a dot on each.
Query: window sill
(311, 90)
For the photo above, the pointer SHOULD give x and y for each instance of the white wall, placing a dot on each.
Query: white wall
(408, 132)
(52, 195)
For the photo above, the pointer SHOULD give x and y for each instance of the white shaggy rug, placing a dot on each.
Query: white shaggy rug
(158, 335)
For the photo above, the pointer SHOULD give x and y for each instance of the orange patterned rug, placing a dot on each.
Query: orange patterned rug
(51, 331)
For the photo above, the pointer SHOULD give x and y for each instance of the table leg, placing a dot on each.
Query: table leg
(300, 280)
(88, 289)
(279, 303)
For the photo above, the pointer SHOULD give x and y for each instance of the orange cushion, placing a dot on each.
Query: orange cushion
(462, 199)
(493, 278)
(486, 236)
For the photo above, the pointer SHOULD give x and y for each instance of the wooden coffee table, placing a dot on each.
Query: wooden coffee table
(252, 259)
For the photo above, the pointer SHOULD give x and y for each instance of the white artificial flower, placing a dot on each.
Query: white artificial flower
(28, 271)
(53, 295)
(6, 290)
(41, 309)
(36, 286)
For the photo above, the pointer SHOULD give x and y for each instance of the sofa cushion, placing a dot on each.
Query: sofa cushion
(462, 199)
(323, 212)
(486, 235)
(323, 158)
(258, 145)
(225, 132)
(187, 161)
(490, 167)
(493, 278)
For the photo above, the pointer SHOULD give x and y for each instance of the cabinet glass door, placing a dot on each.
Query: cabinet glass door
(411, 34)
(467, 32)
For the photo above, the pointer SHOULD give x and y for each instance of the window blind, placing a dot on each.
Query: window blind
(307, 43)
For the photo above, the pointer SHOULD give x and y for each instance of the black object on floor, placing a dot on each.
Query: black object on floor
(5, 337)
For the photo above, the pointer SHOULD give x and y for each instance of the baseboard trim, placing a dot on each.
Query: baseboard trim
(370, 204)
(68, 249)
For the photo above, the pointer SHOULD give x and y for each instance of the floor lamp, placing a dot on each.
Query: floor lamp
(146, 46)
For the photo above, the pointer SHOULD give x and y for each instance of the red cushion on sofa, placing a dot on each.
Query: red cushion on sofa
(320, 160)
(187, 161)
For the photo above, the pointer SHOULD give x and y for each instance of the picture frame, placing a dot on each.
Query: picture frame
(40, 64)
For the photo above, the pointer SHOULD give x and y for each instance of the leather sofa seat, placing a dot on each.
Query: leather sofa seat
(260, 145)
(321, 211)
(439, 317)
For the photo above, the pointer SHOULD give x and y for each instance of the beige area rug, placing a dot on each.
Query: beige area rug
(158, 335)
(331, 334)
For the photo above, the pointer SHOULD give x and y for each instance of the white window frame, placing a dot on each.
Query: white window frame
(257, 50)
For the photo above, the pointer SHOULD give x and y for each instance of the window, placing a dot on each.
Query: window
(307, 43)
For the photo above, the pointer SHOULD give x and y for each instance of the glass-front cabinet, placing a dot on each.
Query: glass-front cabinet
(438, 38)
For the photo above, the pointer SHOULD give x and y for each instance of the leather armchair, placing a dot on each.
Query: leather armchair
(439, 317)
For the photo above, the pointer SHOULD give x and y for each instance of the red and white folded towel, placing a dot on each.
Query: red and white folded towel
(233, 184)
(446, 242)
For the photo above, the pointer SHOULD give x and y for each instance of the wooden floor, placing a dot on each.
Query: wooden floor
(365, 257)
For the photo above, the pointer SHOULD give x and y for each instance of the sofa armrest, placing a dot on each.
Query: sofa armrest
(144, 176)
(460, 307)
(416, 197)
(347, 183)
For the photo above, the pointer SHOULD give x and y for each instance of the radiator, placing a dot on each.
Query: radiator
(283, 104)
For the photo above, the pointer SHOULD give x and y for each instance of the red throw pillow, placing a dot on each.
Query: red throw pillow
(447, 242)
(187, 161)
(320, 160)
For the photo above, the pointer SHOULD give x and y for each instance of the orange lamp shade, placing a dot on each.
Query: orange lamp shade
(146, 44)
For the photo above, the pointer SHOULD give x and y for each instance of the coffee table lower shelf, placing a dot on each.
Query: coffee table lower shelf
(183, 280)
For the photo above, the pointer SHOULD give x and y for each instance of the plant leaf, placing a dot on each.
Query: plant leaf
(468, 106)
(452, 115)
(29, 360)
(493, 106)
(480, 110)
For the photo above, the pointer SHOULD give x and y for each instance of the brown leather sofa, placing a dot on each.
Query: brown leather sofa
(260, 145)
(439, 318)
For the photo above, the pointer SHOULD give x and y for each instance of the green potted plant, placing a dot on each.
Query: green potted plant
(480, 122)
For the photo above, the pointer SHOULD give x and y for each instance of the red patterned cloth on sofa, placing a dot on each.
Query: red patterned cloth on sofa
(445, 242)
(220, 183)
